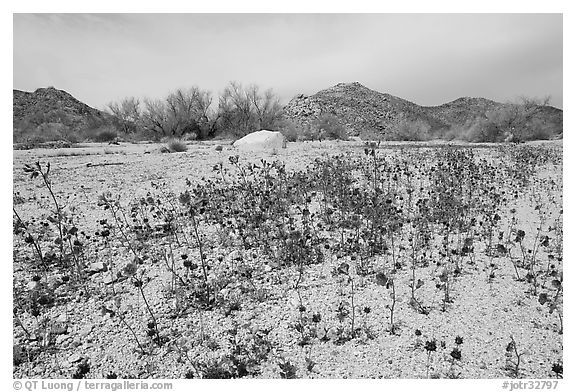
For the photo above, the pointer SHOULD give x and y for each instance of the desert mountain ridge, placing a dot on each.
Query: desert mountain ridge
(51, 104)
(367, 113)
(363, 112)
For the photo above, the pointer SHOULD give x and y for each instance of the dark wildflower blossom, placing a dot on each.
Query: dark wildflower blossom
(558, 369)
(456, 354)
(430, 345)
(130, 269)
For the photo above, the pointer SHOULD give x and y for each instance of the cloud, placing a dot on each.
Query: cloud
(426, 58)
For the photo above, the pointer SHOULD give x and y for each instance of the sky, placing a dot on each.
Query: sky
(428, 59)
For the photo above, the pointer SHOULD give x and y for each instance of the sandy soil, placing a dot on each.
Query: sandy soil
(485, 312)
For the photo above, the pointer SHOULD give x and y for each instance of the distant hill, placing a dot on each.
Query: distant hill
(369, 113)
(462, 110)
(48, 112)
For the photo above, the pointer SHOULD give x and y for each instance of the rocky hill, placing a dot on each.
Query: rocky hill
(49, 110)
(462, 110)
(49, 114)
(367, 113)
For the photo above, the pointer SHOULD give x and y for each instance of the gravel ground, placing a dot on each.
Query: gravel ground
(485, 312)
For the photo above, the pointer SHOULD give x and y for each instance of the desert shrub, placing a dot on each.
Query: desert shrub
(310, 134)
(291, 134)
(479, 130)
(104, 135)
(188, 137)
(290, 130)
(142, 135)
(41, 134)
(330, 127)
(176, 145)
(537, 129)
(372, 134)
(455, 132)
(484, 131)
(459, 131)
(72, 137)
(245, 109)
(522, 121)
(409, 130)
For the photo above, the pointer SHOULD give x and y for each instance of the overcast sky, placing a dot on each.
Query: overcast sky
(429, 59)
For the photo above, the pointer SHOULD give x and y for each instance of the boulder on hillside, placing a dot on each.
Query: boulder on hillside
(261, 140)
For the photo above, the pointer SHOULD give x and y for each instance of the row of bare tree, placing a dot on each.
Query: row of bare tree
(240, 110)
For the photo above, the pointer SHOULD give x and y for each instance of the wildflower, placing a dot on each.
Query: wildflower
(381, 279)
(430, 345)
(557, 368)
(456, 354)
(343, 268)
(130, 269)
(510, 347)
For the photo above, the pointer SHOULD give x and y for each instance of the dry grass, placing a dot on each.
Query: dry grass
(176, 145)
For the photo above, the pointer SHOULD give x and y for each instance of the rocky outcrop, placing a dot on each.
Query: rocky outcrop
(461, 110)
(366, 112)
(56, 108)
(361, 110)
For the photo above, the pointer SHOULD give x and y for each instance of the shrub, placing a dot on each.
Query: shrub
(537, 129)
(143, 134)
(482, 131)
(409, 130)
(310, 134)
(190, 136)
(41, 134)
(454, 133)
(290, 130)
(176, 145)
(106, 135)
(330, 127)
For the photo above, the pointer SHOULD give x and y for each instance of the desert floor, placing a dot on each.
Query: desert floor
(80, 334)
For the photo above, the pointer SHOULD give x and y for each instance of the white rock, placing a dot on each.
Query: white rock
(85, 331)
(234, 255)
(54, 282)
(60, 339)
(224, 293)
(97, 267)
(261, 140)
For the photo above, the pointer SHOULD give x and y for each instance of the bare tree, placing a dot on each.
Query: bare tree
(155, 117)
(244, 110)
(235, 111)
(188, 110)
(182, 112)
(266, 106)
(516, 121)
(128, 112)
